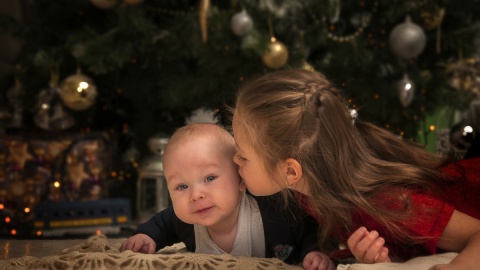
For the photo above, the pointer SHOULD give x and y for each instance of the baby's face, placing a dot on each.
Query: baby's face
(203, 182)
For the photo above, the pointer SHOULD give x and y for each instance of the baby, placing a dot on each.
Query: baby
(212, 212)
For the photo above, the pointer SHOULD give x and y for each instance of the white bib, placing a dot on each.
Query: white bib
(250, 238)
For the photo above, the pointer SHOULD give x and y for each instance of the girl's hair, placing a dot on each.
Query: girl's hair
(299, 114)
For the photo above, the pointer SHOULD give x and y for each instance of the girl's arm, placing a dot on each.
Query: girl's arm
(462, 234)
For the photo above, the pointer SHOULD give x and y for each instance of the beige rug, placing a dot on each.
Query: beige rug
(97, 252)
(419, 263)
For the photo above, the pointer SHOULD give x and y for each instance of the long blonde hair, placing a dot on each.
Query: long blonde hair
(299, 114)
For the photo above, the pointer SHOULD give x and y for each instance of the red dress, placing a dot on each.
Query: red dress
(432, 214)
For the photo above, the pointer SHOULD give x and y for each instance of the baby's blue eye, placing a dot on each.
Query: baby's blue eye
(210, 178)
(182, 187)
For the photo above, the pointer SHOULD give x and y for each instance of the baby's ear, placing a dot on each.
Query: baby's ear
(293, 171)
(242, 187)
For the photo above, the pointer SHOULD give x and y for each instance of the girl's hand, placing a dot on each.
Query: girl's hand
(316, 260)
(368, 247)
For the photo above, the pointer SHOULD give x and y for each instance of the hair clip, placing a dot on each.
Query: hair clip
(353, 115)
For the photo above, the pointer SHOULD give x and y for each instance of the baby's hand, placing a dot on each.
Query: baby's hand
(368, 247)
(316, 260)
(139, 243)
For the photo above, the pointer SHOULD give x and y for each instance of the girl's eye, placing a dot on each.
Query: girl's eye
(210, 178)
(182, 187)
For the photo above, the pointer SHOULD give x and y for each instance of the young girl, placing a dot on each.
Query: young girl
(213, 214)
(294, 131)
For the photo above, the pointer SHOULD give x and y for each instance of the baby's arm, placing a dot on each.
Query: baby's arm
(368, 247)
(139, 242)
(316, 260)
(163, 229)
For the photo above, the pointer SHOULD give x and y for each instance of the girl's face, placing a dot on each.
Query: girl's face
(251, 166)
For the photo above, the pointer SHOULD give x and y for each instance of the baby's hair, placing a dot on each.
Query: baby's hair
(299, 114)
(195, 130)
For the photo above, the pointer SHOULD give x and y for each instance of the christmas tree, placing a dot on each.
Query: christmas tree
(138, 68)
(151, 63)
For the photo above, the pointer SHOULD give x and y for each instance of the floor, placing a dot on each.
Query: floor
(13, 248)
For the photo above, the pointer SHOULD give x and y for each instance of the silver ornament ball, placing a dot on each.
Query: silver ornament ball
(407, 40)
(241, 23)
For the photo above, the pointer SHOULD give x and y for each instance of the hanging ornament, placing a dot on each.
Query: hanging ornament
(203, 10)
(407, 40)
(49, 114)
(406, 91)
(432, 21)
(78, 91)
(464, 75)
(14, 96)
(104, 4)
(60, 119)
(276, 56)
(241, 23)
(462, 136)
(132, 2)
(43, 108)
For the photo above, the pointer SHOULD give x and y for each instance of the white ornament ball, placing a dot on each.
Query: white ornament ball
(407, 40)
(241, 23)
(406, 91)
(78, 92)
(104, 4)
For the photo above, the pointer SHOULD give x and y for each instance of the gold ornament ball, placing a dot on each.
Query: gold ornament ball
(306, 66)
(78, 92)
(276, 56)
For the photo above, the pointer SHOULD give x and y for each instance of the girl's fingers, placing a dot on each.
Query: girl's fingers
(356, 237)
(374, 251)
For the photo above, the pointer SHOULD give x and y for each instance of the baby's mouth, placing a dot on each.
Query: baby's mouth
(203, 210)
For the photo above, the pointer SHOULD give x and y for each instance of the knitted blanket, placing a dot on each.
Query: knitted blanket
(98, 252)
